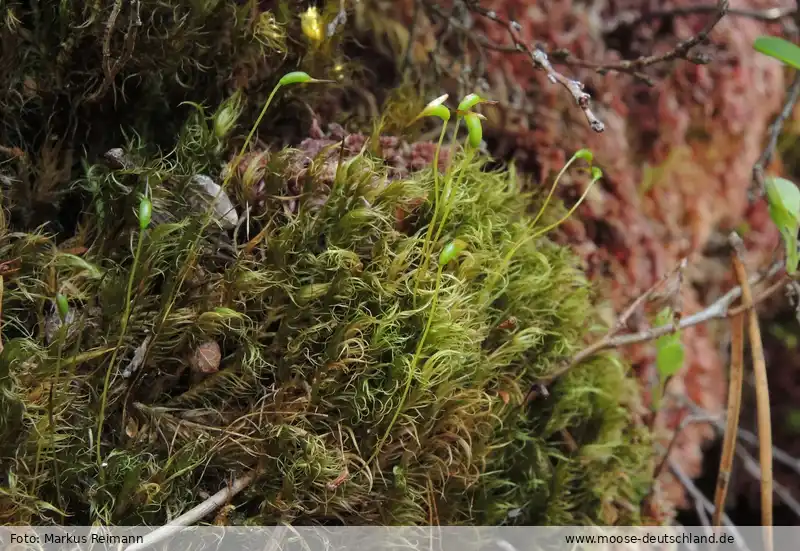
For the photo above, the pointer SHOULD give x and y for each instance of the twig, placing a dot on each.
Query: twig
(645, 297)
(688, 420)
(775, 130)
(680, 51)
(632, 19)
(196, 513)
(698, 496)
(541, 61)
(703, 516)
(720, 309)
(111, 70)
(762, 394)
(339, 20)
(755, 471)
(780, 455)
(734, 408)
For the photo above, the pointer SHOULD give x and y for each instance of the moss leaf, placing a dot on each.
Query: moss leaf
(784, 209)
(779, 48)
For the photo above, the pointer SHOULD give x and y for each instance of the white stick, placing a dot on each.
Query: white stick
(195, 514)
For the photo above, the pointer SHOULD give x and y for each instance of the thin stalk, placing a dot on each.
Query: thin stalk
(762, 403)
(122, 332)
(553, 189)
(571, 211)
(51, 417)
(531, 237)
(451, 196)
(412, 367)
(173, 293)
(427, 243)
(62, 336)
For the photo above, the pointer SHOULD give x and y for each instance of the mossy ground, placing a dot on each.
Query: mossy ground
(318, 303)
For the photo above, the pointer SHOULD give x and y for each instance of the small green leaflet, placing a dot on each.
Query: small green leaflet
(784, 209)
(669, 349)
(780, 49)
(669, 355)
(782, 195)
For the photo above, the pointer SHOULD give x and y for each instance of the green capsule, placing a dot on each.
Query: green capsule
(584, 154)
(440, 111)
(596, 173)
(295, 77)
(475, 129)
(145, 213)
(63, 306)
(470, 101)
(451, 251)
(435, 108)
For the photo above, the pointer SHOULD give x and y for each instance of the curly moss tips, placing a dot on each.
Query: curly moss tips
(318, 328)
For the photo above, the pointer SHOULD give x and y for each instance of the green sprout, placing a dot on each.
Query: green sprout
(473, 123)
(596, 173)
(435, 108)
(583, 154)
(294, 77)
(145, 213)
(669, 354)
(474, 137)
(449, 253)
(784, 209)
(226, 116)
(63, 307)
(782, 195)
(144, 216)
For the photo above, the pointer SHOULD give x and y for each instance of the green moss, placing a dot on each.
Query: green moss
(318, 328)
(311, 300)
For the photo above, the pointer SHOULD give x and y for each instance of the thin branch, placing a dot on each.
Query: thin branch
(720, 309)
(632, 19)
(752, 467)
(540, 60)
(780, 455)
(688, 420)
(775, 130)
(762, 394)
(680, 51)
(698, 496)
(622, 322)
(746, 436)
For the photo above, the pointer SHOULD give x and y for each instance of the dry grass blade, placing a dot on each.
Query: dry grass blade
(762, 395)
(732, 423)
